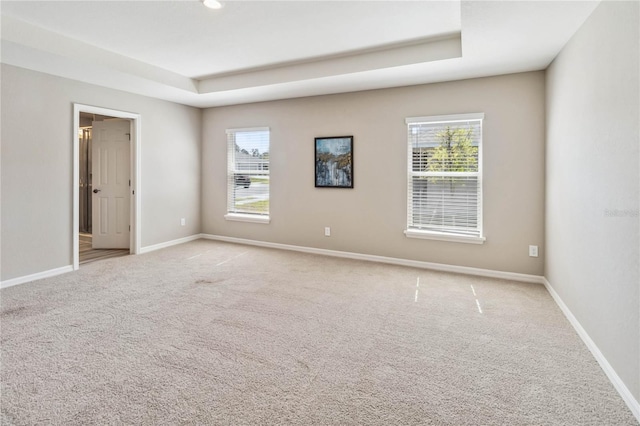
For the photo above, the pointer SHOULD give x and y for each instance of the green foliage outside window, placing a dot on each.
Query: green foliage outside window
(455, 152)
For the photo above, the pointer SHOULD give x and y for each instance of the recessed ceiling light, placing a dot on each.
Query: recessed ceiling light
(212, 4)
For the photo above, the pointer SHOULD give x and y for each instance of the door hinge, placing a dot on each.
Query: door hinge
(128, 135)
(129, 227)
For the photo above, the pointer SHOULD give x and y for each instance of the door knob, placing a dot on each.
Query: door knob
(95, 191)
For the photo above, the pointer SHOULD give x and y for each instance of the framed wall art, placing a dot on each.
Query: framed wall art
(334, 162)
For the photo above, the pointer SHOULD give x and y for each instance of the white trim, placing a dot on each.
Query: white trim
(439, 236)
(618, 384)
(136, 176)
(36, 276)
(382, 259)
(248, 129)
(253, 218)
(479, 174)
(75, 255)
(481, 177)
(135, 173)
(441, 174)
(166, 244)
(234, 169)
(452, 117)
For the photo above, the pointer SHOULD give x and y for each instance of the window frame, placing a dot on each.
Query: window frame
(413, 232)
(232, 215)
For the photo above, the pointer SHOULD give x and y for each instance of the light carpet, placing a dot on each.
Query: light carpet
(215, 333)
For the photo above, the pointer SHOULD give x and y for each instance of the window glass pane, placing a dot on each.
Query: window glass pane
(445, 204)
(248, 186)
(444, 188)
(253, 199)
(445, 147)
(252, 150)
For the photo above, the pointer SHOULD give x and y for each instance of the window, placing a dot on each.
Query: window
(248, 175)
(444, 199)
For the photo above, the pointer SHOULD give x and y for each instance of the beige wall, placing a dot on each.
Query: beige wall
(371, 217)
(37, 121)
(593, 183)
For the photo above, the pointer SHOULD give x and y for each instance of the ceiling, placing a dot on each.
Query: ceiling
(252, 51)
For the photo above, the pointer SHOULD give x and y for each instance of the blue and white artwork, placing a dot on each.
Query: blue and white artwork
(334, 162)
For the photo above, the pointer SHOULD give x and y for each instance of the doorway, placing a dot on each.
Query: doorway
(106, 180)
(112, 149)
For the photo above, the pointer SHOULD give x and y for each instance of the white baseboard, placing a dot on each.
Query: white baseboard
(619, 385)
(382, 259)
(65, 269)
(159, 246)
(36, 276)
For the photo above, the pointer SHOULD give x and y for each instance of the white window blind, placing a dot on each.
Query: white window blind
(445, 175)
(248, 171)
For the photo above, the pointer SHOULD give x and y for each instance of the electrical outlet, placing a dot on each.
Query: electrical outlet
(183, 221)
(327, 231)
(533, 251)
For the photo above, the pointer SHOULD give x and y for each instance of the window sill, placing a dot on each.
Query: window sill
(253, 218)
(438, 236)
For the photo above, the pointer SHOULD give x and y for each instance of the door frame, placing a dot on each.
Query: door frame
(134, 168)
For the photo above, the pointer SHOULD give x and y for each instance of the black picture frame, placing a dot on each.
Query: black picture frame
(334, 162)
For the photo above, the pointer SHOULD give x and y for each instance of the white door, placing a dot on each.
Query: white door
(110, 168)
